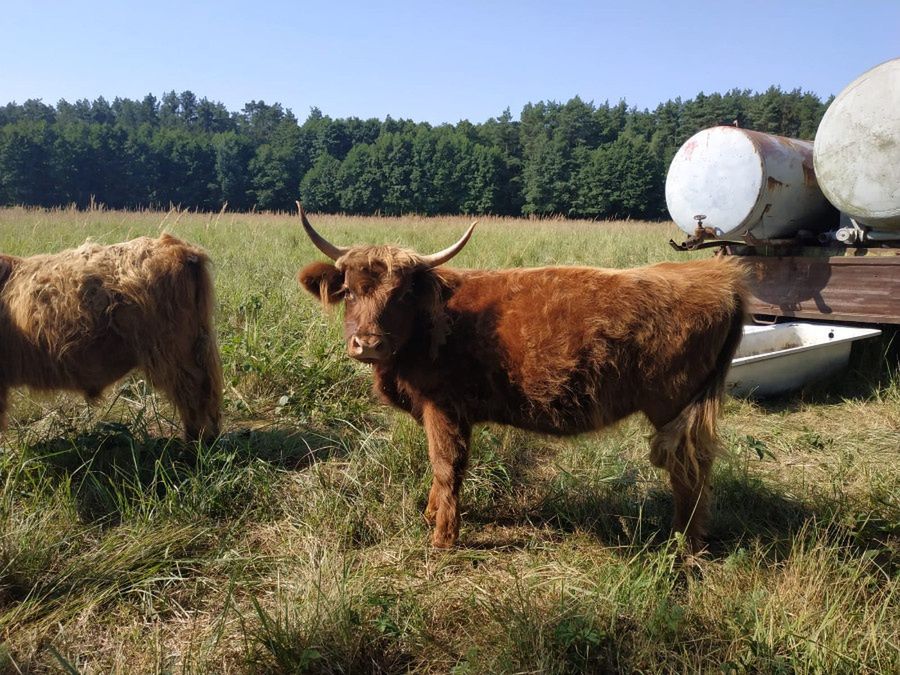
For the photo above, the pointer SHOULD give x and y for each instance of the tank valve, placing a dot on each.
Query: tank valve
(702, 233)
(848, 235)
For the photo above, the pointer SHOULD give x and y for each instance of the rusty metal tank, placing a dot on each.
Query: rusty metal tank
(857, 152)
(746, 182)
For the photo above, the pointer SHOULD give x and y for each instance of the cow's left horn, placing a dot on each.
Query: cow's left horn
(441, 257)
(329, 249)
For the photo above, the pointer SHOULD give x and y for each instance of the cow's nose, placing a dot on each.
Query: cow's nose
(365, 346)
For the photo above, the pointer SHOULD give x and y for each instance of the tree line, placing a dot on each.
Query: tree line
(575, 159)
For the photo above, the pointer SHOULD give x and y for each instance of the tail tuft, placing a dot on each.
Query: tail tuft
(687, 445)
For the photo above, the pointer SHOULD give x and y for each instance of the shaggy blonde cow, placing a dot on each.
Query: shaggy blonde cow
(84, 318)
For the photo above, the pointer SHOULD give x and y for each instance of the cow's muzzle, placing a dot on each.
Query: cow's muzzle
(367, 348)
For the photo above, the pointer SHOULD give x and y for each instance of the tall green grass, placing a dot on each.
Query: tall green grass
(295, 543)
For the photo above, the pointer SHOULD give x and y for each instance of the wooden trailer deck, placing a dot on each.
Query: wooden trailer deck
(858, 285)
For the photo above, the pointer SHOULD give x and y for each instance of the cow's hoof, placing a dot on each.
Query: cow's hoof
(443, 541)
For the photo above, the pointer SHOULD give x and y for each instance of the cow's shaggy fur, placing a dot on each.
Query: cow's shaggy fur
(554, 350)
(84, 318)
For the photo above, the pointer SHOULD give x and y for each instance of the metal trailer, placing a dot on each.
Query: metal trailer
(830, 269)
(818, 224)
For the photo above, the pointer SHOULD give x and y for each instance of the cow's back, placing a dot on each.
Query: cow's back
(582, 347)
(79, 318)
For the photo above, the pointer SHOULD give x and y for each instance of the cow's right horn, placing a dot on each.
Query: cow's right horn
(441, 257)
(329, 249)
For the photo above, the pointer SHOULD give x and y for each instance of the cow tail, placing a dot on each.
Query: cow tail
(707, 404)
(687, 446)
(207, 363)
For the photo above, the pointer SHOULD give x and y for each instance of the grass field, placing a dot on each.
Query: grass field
(296, 542)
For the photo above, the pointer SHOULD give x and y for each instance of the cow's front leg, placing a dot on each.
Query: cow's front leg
(448, 449)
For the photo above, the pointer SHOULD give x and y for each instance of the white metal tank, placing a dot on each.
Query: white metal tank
(746, 182)
(857, 153)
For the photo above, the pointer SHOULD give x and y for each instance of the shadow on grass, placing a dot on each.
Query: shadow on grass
(746, 510)
(111, 469)
(622, 516)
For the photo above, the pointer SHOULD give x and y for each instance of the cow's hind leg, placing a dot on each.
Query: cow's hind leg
(448, 449)
(193, 382)
(192, 401)
(686, 447)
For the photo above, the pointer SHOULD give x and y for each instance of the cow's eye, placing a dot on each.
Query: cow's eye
(348, 294)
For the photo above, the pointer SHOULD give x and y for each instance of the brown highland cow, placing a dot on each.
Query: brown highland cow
(558, 350)
(84, 318)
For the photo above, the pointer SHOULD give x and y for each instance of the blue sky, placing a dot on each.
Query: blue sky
(435, 61)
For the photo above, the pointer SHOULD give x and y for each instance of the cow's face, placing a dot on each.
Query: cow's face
(382, 288)
(379, 300)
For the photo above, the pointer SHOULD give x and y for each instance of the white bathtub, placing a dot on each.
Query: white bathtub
(776, 359)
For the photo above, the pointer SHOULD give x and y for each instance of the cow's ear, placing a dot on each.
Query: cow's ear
(323, 280)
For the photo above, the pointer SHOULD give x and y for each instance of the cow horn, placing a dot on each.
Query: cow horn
(441, 257)
(329, 249)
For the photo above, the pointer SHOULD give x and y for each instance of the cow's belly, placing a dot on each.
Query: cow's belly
(85, 366)
(566, 419)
